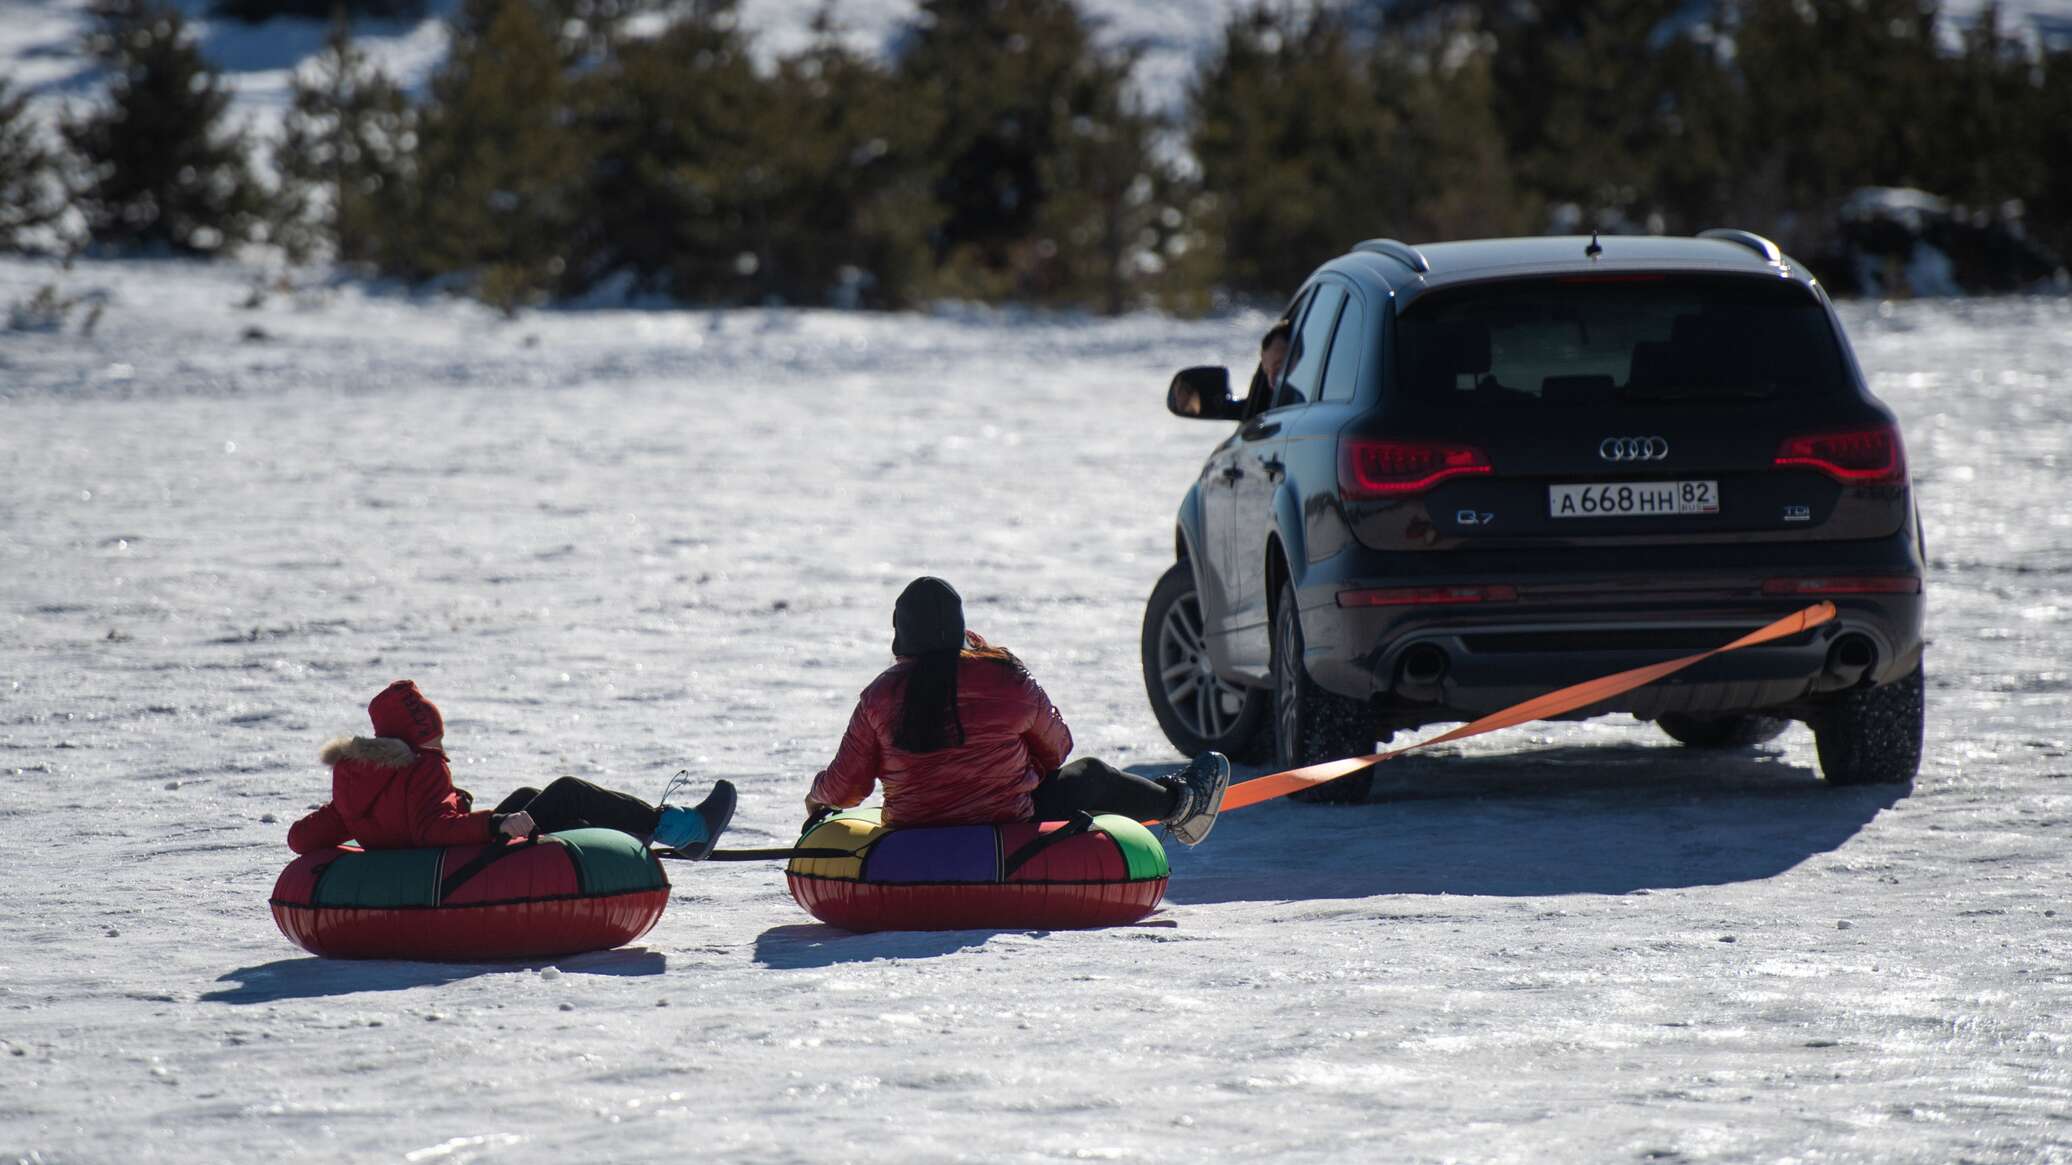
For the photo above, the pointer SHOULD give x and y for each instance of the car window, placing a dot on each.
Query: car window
(1342, 374)
(1312, 338)
(1642, 339)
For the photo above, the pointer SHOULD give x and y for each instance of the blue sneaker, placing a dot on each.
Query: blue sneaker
(692, 832)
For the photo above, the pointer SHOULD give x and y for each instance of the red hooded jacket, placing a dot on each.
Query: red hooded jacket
(386, 794)
(1013, 738)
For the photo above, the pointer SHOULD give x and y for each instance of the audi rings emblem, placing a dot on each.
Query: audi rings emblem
(1633, 449)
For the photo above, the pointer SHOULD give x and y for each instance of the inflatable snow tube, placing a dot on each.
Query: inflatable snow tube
(1095, 871)
(559, 894)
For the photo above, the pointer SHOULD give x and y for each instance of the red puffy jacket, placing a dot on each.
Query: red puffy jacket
(387, 795)
(1013, 738)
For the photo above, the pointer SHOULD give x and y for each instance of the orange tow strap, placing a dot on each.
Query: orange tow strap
(1554, 703)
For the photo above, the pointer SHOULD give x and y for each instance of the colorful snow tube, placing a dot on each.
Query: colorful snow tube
(1100, 871)
(580, 890)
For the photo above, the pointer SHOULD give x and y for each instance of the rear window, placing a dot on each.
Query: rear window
(1634, 340)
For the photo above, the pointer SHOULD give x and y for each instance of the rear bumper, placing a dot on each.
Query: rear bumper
(1452, 662)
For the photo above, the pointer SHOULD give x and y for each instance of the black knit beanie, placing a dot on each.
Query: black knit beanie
(929, 616)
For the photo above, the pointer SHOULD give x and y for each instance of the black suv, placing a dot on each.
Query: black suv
(1489, 469)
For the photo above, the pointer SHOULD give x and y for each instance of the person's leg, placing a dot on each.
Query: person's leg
(571, 802)
(517, 800)
(1092, 785)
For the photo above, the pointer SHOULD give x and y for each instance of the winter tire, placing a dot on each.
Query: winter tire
(1721, 732)
(1198, 711)
(1311, 724)
(1872, 736)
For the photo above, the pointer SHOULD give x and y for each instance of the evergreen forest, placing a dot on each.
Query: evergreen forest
(1000, 150)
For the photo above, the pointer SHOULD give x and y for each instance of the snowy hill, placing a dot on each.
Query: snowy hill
(613, 543)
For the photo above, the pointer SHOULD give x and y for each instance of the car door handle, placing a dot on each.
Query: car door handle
(1232, 474)
(1275, 470)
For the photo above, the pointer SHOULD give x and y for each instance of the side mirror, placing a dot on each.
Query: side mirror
(1202, 392)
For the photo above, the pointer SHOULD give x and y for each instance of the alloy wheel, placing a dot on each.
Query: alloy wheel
(1207, 705)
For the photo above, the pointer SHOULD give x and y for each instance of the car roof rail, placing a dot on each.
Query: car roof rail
(1403, 253)
(1754, 242)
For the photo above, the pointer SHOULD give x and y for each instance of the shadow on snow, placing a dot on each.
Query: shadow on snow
(1605, 819)
(312, 977)
(813, 944)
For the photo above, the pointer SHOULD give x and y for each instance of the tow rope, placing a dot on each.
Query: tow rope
(1554, 703)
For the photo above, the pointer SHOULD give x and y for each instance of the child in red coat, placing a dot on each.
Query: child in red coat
(394, 790)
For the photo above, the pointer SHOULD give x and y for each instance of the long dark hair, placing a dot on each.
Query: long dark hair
(928, 718)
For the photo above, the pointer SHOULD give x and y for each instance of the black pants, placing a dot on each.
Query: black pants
(572, 803)
(1095, 786)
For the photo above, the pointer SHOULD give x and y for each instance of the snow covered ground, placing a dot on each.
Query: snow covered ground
(616, 543)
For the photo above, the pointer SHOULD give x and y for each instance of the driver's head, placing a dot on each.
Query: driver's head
(1273, 348)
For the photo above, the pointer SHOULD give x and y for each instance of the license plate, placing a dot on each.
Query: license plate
(1633, 499)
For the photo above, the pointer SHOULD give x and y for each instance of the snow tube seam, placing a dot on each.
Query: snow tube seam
(549, 930)
(292, 905)
(1044, 882)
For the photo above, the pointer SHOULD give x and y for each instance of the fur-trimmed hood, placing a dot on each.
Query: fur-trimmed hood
(385, 751)
(387, 794)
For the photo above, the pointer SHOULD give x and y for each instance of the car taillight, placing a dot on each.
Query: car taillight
(1428, 596)
(1852, 456)
(1877, 584)
(1390, 469)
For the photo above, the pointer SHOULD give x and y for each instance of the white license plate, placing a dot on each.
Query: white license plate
(1632, 499)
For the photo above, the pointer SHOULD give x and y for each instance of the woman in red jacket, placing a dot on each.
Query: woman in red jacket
(961, 735)
(394, 790)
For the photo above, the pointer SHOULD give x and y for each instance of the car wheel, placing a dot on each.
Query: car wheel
(1198, 711)
(1311, 724)
(1872, 736)
(1722, 732)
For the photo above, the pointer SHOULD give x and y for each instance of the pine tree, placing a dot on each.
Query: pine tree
(1107, 226)
(1982, 153)
(28, 173)
(342, 157)
(1581, 93)
(163, 171)
(844, 216)
(1443, 172)
(1283, 125)
(677, 164)
(1026, 97)
(1838, 95)
(500, 160)
(1704, 149)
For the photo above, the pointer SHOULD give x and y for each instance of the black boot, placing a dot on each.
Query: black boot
(1198, 797)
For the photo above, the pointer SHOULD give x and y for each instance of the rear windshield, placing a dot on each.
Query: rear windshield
(1629, 340)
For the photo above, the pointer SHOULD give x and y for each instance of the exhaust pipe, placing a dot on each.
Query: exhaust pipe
(1424, 665)
(1851, 656)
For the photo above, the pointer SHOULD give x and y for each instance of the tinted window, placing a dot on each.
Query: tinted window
(1312, 337)
(1643, 340)
(1342, 374)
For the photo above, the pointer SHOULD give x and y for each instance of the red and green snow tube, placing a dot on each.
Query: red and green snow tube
(1098, 871)
(553, 895)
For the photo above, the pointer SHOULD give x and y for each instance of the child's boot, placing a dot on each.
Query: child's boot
(693, 832)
